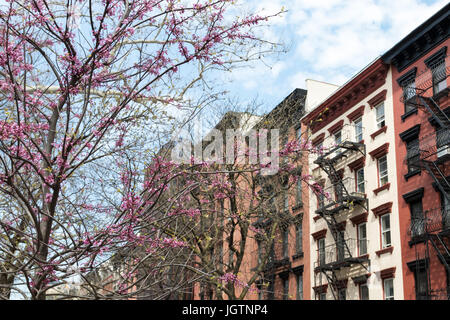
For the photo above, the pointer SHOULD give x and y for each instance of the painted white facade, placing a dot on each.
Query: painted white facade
(317, 92)
(385, 260)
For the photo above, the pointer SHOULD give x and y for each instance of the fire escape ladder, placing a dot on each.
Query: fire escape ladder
(438, 177)
(441, 249)
(437, 113)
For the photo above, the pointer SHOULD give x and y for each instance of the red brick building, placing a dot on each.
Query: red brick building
(420, 67)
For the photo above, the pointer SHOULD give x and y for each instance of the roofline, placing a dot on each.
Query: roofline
(416, 33)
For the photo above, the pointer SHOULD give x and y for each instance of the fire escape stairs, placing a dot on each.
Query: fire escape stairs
(437, 113)
(441, 249)
(438, 176)
(330, 269)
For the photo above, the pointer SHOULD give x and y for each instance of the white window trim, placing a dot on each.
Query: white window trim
(383, 244)
(385, 291)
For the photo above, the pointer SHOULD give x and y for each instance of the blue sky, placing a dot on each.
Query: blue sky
(329, 40)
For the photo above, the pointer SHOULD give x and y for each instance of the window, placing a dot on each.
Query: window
(286, 201)
(299, 236)
(360, 187)
(363, 291)
(338, 137)
(382, 171)
(443, 142)
(340, 246)
(413, 154)
(380, 115)
(286, 288)
(409, 96)
(322, 296)
(259, 253)
(299, 191)
(321, 249)
(260, 291)
(270, 289)
(439, 76)
(341, 294)
(362, 239)
(358, 130)
(389, 289)
(285, 243)
(421, 279)
(300, 286)
(417, 218)
(385, 231)
(338, 140)
(320, 196)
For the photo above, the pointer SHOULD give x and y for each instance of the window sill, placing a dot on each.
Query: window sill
(409, 113)
(385, 250)
(384, 187)
(297, 256)
(412, 173)
(416, 239)
(317, 217)
(364, 256)
(378, 132)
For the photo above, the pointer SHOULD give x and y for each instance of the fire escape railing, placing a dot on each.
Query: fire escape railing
(343, 194)
(336, 256)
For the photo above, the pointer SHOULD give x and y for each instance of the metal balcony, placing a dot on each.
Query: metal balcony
(427, 89)
(336, 148)
(342, 254)
(341, 195)
(433, 220)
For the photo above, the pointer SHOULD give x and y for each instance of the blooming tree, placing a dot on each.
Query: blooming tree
(86, 90)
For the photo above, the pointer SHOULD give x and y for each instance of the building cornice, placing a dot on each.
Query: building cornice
(364, 84)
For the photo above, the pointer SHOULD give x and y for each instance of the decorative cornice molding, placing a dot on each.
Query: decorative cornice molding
(414, 195)
(319, 234)
(358, 113)
(357, 164)
(387, 273)
(380, 97)
(321, 289)
(385, 250)
(383, 209)
(383, 129)
(360, 218)
(318, 139)
(361, 279)
(360, 87)
(336, 127)
(383, 187)
(410, 134)
(407, 77)
(438, 55)
(380, 151)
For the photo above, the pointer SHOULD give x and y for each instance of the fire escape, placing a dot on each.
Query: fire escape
(341, 196)
(432, 228)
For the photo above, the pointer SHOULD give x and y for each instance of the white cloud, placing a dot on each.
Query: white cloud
(329, 40)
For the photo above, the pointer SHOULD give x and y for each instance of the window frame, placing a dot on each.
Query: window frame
(299, 237)
(299, 277)
(356, 123)
(380, 119)
(285, 238)
(358, 233)
(361, 285)
(319, 251)
(358, 183)
(385, 245)
(386, 297)
(382, 176)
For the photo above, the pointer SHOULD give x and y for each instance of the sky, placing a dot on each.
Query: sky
(328, 40)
